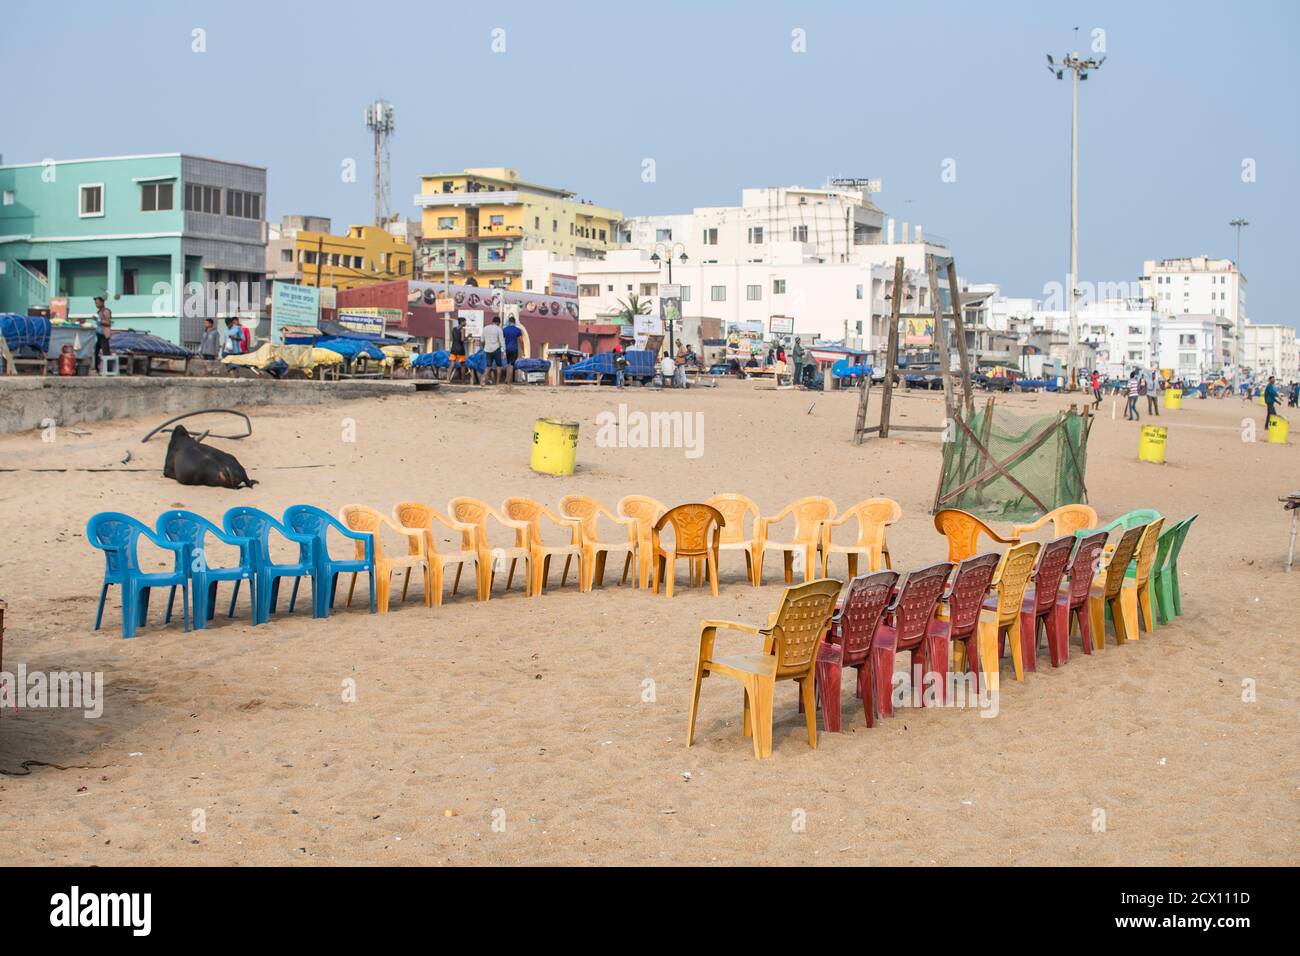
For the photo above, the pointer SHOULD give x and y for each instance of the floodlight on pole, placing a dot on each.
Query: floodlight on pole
(1239, 350)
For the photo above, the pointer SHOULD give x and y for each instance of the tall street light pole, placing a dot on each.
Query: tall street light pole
(1078, 69)
(1239, 352)
(668, 255)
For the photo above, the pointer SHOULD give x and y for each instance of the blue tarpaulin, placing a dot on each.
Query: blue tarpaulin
(350, 348)
(640, 364)
(142, 343)
(25, 331)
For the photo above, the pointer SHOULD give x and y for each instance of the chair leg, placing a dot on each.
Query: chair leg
(564, 575)
(853, 564)
(185, 608)
(433, 580)
(1017, 659)
(758, 567)
(1097, 621)
(670, 572)
(171, 602)
(1028, 640)
(1083, 620)
(829, 671)
(99, 614)
(695, 705)
(406, 582)
(1164, 603)
(808, 695)
(511, 575)
(352, 586)
(627, 564)
(711, 568)
(293, 594)
(761, 692)
(787, 558)
(1119, 618)
(987, 650)
(882, 664)
(749, 566)
(1176, 589)
(865, 677)
(936, 662)
(1145, 606)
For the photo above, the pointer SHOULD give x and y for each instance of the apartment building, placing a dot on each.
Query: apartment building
(1199, 285)
(303, 250)
(1270, 349)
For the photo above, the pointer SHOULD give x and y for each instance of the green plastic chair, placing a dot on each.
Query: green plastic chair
(1164, 578)
(1128, 522)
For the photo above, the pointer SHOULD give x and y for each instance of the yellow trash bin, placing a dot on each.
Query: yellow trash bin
(555, 446)
(1151, 445)
(1173, 398)
(1278, 428)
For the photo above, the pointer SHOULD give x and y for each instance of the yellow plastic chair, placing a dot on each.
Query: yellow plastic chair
(364, 518)
(588, 512)
(1135, 593)
(415, 514)
(872, 515)
(963, 530)
(532, 512)
(789, 652)
(734, 510)
(1107, 590)
(1066, 519)
(1001, 615)
(808, 514)
(645, 511)
(692, 541)
(476, 513)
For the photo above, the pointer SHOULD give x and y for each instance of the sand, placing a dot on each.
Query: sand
(552, 730)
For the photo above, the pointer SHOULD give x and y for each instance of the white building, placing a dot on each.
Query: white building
(1190, 345)
(1120, 332)
(1198, 285)
(1270, 349)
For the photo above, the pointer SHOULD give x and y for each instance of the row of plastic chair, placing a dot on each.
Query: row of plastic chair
(967, 609)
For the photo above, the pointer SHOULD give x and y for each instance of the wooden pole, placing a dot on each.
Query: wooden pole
(959, 330)
(891, 355)
(941, 338)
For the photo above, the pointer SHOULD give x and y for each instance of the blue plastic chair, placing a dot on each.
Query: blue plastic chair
(117, 535)
(310, 520)
(192, 530)
(257, 525)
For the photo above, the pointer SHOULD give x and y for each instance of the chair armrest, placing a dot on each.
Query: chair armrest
(731, 625)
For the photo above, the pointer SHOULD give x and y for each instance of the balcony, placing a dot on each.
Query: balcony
(481, 198)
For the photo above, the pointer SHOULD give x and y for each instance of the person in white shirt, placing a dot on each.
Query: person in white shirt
(666, 369)
(494, 350)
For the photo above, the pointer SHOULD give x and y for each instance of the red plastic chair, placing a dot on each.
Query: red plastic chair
(1073, 595)
(1040, 604)
(911, 613)
(848, 643)
(960, 615)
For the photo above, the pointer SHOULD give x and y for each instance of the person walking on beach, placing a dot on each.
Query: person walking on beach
(513, 333)
(210, 344)
(234, 337)
(1096, 388)
(666, 369)
(103, 331)
(1270, 402)
(796, 354)
(1131, 409)
(494, 350)
(679, 362)
(1151, 380)
(456, 372)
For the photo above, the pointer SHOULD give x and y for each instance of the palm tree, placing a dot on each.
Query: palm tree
(634, 306)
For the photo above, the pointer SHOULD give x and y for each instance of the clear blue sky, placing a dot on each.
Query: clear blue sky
(712, 92)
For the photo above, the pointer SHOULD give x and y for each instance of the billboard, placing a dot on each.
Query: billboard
(293, 304)
(918, 331)
(563, 285)
(489, 300)
(781, 325)
(368, 321)
(670, 304)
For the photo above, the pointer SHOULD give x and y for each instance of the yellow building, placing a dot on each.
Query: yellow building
(306, 252)
(477, 222)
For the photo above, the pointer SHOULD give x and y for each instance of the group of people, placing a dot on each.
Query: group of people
(672, 369)
(500, 351)
(235, 340)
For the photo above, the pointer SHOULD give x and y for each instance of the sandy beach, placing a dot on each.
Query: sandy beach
(552, 730)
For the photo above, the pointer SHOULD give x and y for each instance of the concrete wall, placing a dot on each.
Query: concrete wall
(25, 402)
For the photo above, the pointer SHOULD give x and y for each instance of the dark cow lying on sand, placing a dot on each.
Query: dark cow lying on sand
(193, 463)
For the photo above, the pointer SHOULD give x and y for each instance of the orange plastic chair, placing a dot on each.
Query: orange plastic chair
(808, 513)
(789, 652)
(691, 540)
(645, 511)
(1135, 593)
(1066, 519)
(1000, 618)
(1108, 587)
(363, 518)
(734, 510)
(963, 529)
(872, 515)
(415, 514)
(588, 512)
(532, 512)
(475, 513)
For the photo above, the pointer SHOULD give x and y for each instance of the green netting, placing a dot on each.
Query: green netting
(1051, 468)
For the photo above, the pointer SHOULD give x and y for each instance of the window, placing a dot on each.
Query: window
(1187, 340)
(1135, 330)
(446, 185)
(753, 293)
(778, 287)
(610, 288)
(537, 222)
(686, 293)
(555, 225)
(202, 198)
(799, 233)
(92, 200)
(602, 235)
(755, 235)
(649, 288)
(240, 204)
(710, 237)
(497, 220)
(401, 267)
(447, 223)
(588, 291)
(130, 279)
(286, 255)
(9, 197)
(718, 293)
(859, 295)
(663, 235)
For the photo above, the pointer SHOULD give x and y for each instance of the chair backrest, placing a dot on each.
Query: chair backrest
(1120, 558)
(1084, 566)
(475, 512)
(691, 526)
(1183, 526)
(1146, 550)
(587, 510)
(365, 519)
(644, 509)
(969, 587)
(808, 514)
(734, 509)
(918, 599)
(245, 521)
(865, 600)
(187, 528)
(116, 534)
(873, 516)
(526, 509)
(1068, 519)
(416, 514)
(801, 620)
(1139, 516)
(1053, 560)
(962, 529)
(1013, 579)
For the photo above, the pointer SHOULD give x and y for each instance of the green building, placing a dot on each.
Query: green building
(167, 239)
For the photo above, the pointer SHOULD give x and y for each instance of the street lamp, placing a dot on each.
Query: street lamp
(668, 256)
(1078, 71)
(1239, 351)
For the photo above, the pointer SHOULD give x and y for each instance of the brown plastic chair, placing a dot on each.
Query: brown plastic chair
(963, 529)
(872, 515)
(1066, 519)
(734, 510)
(789, 652)
(415, 514)
(1072, 599)
(1107, 589)
(588, 512)
(532, 512)
(476, 513)
(367, 519)
(960, 610)
(1041, 611)
(645, 511)
(808, 514)
(692, 524)
(848, 643)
